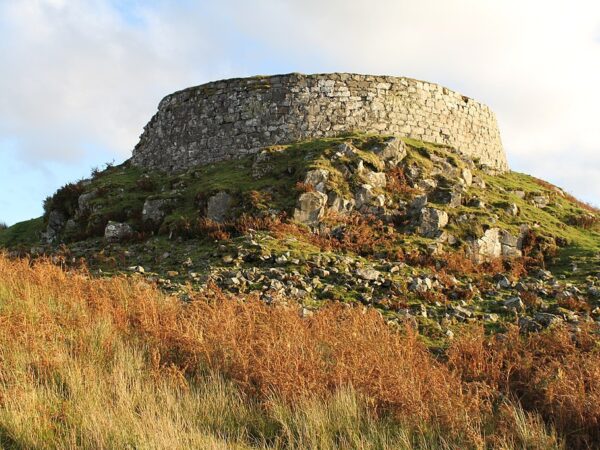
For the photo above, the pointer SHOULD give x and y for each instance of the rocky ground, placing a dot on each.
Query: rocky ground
(412, 229)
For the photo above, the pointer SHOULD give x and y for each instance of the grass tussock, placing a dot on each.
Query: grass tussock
(113, 363)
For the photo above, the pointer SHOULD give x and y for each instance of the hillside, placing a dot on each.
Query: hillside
(352, 292)
(412, 229)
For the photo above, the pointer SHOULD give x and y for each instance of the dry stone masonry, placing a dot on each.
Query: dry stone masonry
(231, 118)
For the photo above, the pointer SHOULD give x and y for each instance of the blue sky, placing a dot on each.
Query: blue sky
(80, 78)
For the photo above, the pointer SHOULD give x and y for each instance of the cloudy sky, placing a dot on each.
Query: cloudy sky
(80, 78)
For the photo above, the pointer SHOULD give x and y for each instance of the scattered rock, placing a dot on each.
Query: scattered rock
(218, 207)
(452, 197)
(376, 179)
(417, 204)
(56, 224)
(339, 204)
(317, 178)
(527, 325)
(492, 317)
(547, 319)
(487, 246)
(393, 152)
(515, 303)
(427, 184)
(155, 210)
(512, 209)
(476, 202)
(504, 283)
(116, 231)
(478, 182)
(540, 201)
(542, 274)
(467, 176)
(510, 245)
(462, 313)
(431, 222)
(420, 284)
(311, 208)
(363, 195)
(83, 202)
(367, 274)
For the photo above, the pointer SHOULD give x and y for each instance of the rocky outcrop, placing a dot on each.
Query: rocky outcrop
(431, 222)
(155, 210)
(117, 232)
(219, 207)
(56, 224)
(393, 152)
(317, 178)
(496, 243)
(311, 208)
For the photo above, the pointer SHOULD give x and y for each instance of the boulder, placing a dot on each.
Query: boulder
(375, 179)
(476, 202)
(540, 201)
(56, 224)
(417, 204)
(311, 208)
(155, 210)
(117, 231)
(393, 151)
(339, 204)
(547, 319)
(346, 149)
(512, 209)
(478, 182)
(218, 207)
(449, 196)
(487, 246)
(431, 222)
(427, 184)
(83, 202)
(317, 178)
(367, 274)
(363, 196)
(467, 177)
(515, 304)
(511, 245)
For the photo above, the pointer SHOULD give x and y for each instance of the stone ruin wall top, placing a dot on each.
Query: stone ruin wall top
(231, 118)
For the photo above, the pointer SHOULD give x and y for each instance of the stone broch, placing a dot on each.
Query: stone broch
(231, 118)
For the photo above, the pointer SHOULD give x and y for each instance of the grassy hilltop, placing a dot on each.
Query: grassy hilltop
(351, 292)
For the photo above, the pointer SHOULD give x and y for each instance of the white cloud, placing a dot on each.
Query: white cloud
(77, 71)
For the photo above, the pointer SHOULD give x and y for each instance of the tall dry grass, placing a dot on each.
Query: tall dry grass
(113, 363)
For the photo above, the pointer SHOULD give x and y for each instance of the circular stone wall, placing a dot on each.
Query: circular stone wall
(230, 118)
